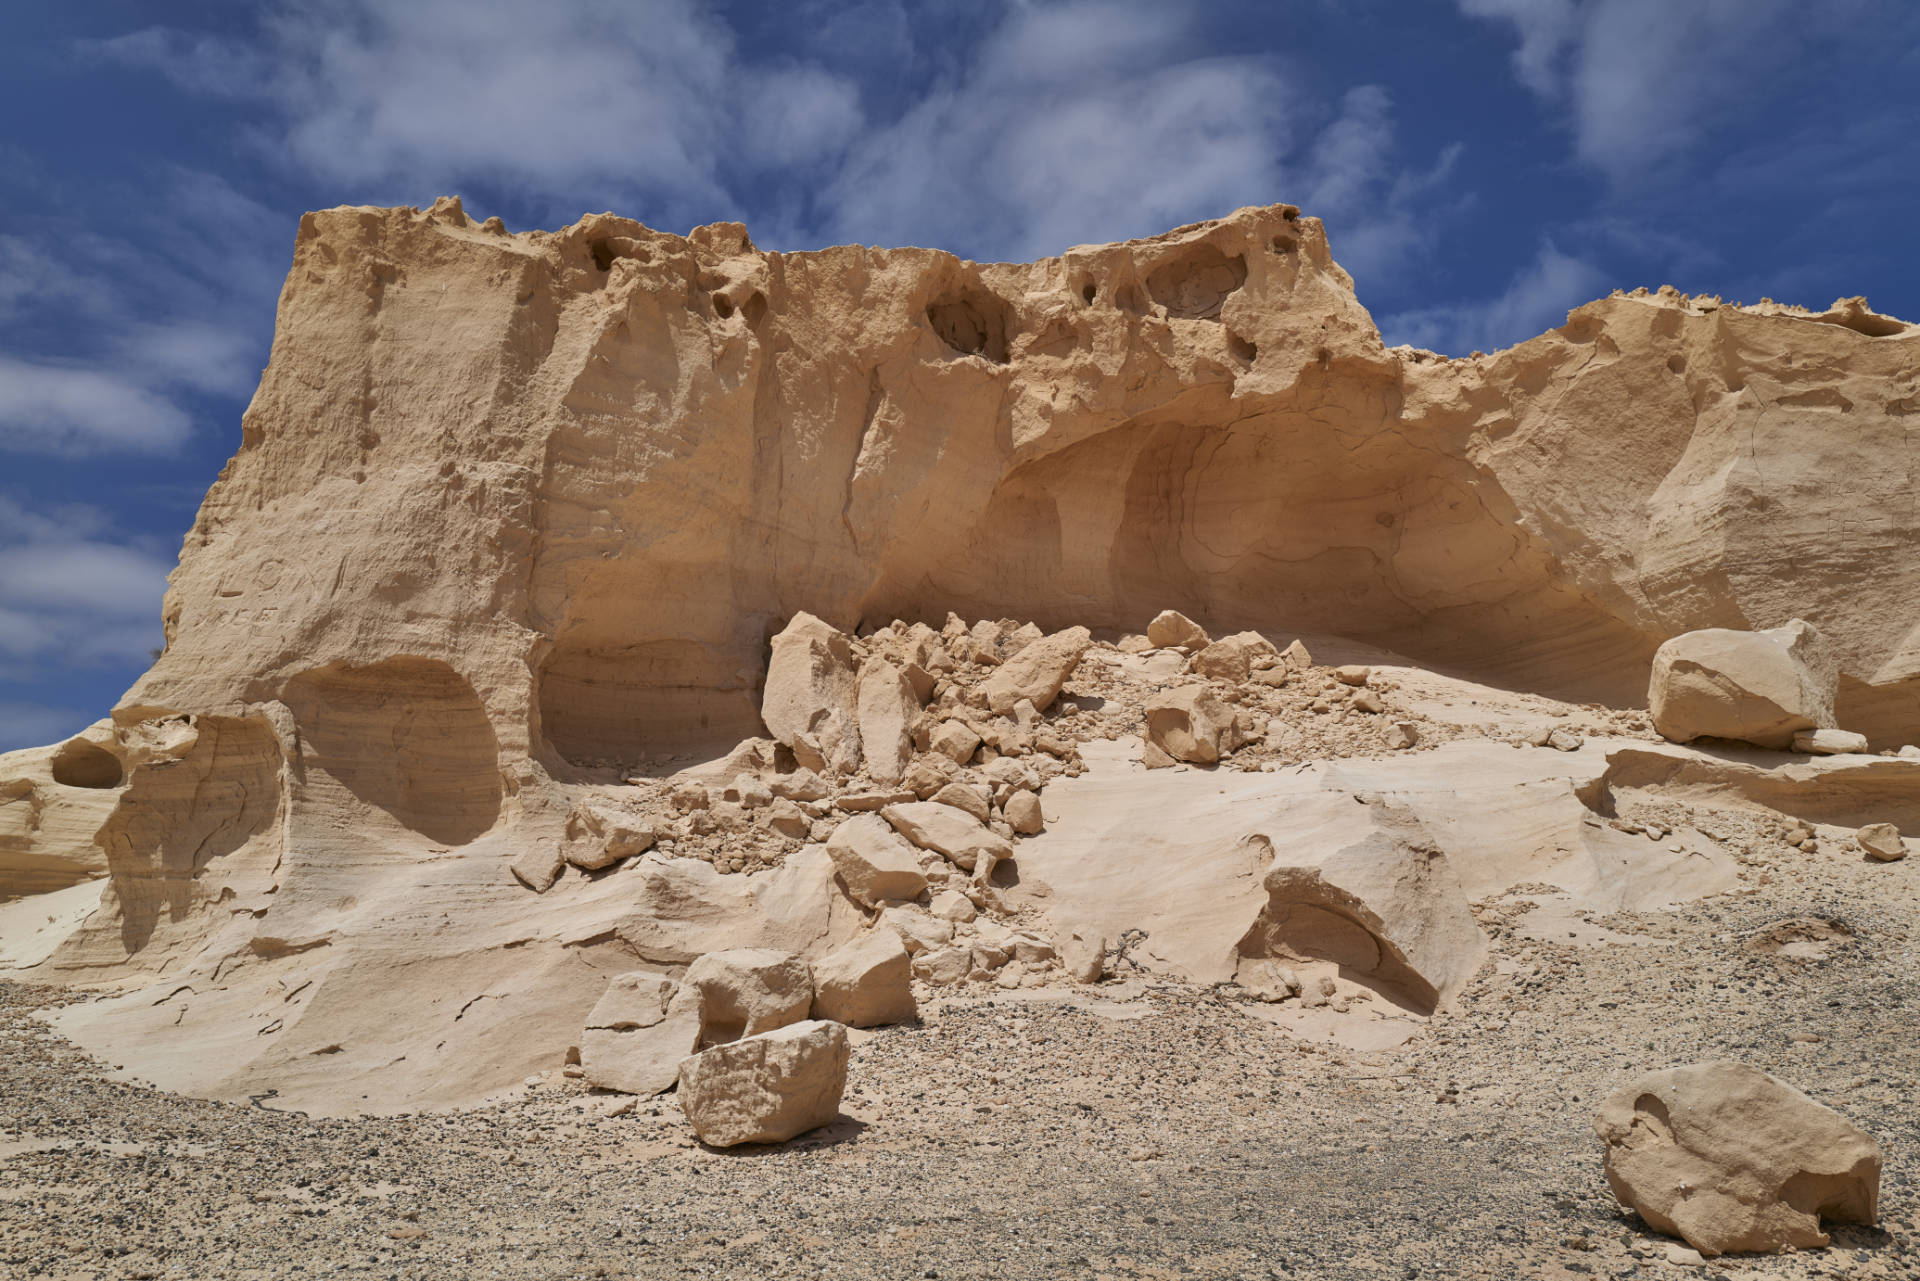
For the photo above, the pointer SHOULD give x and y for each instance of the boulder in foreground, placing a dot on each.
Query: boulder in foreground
(766, 1089)
(1754, 687)
(1732, 1159)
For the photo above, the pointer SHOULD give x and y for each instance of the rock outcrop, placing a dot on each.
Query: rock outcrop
(1732, 1159)
(576, 604)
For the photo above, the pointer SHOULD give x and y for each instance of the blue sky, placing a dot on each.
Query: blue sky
(1482, 165)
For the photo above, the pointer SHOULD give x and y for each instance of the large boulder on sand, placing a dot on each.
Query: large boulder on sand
(811, 698)
(1732, 1159)
(766, 1089)
(1038, 671)
(1755, 687)
(866, 982)
(1170, 627)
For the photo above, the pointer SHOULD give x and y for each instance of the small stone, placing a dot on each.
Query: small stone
(1829, 742)
(1171, 628)
(1023, 813)
(1084, 956)
(1882, 842)
(1353, 675)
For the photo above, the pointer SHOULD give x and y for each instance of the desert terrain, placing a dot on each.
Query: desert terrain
(1237, 798)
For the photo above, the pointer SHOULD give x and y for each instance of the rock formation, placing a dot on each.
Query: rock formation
(1732, 1159)
(582, 605)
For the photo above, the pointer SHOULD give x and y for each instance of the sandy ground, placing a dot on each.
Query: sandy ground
(1130, 1130)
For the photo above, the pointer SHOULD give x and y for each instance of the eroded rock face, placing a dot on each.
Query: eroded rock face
(640, 490)
(1732, 1159)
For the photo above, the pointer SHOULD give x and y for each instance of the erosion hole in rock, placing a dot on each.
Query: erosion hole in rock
(603, 255)
(1285, 245)
(1196, 285)
(973, 322)
(606, 705)
(1088, 290)
(407, 736)
(1319, 931)
(754, 309)
(722, 306)
(1243, 351)
(83, 764)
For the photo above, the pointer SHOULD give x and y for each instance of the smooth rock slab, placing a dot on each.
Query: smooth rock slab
(767, 1088)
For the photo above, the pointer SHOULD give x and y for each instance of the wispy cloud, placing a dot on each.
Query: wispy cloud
(1060, 122)
(32, 724)
(72, 590)
(182, 310)
(1538, 298)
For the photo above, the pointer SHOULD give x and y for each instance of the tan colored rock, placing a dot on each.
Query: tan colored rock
(631, 1043)
(1829, 742)
(1190, 723)
(918, 930)
(744, 991)
(1731, 1159)
(810, 702)
(1882, 842)
(953, 906)
(952, 832)
(1383, 903)
(944, 966)
(578, 584)
(887, 708)
(767, 1088)
(1036, 673)
(53, 803)
(1170, 629)
(598, 836)
(955, 740)
(1754, 687)
(1353, 675)
(538, 867)
(1295, 656)
(1024, 814)
(1084, 956)
(966, 798)
(1231, 658)
(866, 982)
(874, 863)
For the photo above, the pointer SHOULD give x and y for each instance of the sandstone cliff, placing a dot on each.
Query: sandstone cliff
(518, 514)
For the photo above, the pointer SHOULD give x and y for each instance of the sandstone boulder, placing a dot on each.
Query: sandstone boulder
(1171, 628)
(767, 1088)
(1882, 842)
(918, 930)
(1024, 814)
(955, 740)
(1036, 673)
(1190, 723)
(887, 708)
(1383, 903)
(965, 797)
(632, 1042)
(1829, 742)
(1732, 1159)
(1231, 658)
(744, 991)
(873, 862)
(865, 982)
(954, 833)
(811, 697)
(1083, 955)
(1754, 687)
(598, 836)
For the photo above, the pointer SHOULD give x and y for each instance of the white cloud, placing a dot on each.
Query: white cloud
(1643, 80)
(182, 308)
(71, 592)
(59, 409)
(645, 98)
(1538, 299)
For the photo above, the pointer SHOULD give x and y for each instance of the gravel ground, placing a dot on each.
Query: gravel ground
(1131, 1130)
